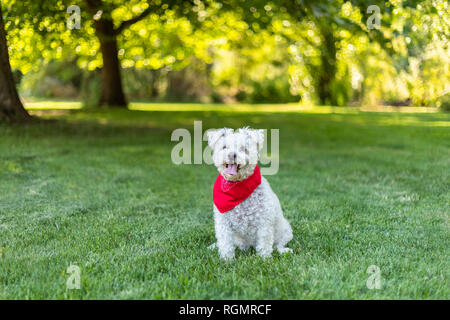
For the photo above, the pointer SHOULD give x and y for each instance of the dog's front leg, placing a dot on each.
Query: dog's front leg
(265, 240)
(224, 236)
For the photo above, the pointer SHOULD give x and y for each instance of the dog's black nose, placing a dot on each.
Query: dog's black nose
(232, 156)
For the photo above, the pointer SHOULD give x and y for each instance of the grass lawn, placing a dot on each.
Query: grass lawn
(99, 190)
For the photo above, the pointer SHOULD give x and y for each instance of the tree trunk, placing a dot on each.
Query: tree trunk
(11, 108)
(328, 71)
(112, 92)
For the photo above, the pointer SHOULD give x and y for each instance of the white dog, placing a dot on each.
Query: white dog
(246, 210)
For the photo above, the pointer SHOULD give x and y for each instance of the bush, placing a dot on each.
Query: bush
(57, 79)
(268, 91)
(91, 88)
(444, 102)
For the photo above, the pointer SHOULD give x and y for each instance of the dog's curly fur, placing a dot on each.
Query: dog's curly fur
(257, 221)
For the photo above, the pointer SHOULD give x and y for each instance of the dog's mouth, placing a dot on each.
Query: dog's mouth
(232, 168)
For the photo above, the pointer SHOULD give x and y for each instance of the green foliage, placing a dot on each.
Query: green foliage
(270, 91)
(56, 79)
(444, 102)
(252, 51)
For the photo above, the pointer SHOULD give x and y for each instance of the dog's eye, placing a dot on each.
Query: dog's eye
(224, 147)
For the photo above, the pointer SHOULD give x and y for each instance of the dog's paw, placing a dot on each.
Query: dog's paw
(284, 250)
(264, 253)
(227, 257)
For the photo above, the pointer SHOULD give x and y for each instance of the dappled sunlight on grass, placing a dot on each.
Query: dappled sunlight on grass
(290, 107)
(389, 119)
(143, 113)
(53, 105)
(257, 108)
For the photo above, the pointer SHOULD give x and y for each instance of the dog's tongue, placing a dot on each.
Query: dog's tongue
(232, 169)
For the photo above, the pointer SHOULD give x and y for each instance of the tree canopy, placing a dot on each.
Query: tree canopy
(251, 51)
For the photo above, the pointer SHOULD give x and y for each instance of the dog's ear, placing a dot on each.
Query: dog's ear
(214, 135)
(257, 135)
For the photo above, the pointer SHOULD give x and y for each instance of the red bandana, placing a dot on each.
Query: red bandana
(228, 194)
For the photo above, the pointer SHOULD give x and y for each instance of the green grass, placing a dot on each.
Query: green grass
(98, 189)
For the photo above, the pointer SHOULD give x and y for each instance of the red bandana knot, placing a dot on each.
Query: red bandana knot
(228, 194)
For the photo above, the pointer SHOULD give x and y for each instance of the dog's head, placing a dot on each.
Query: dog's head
(235, 153)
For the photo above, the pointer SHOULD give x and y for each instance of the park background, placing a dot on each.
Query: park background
(91, 90)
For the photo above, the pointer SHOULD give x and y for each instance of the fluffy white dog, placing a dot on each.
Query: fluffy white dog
(257, 220)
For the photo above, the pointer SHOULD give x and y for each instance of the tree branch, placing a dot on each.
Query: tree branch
(125, 24)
